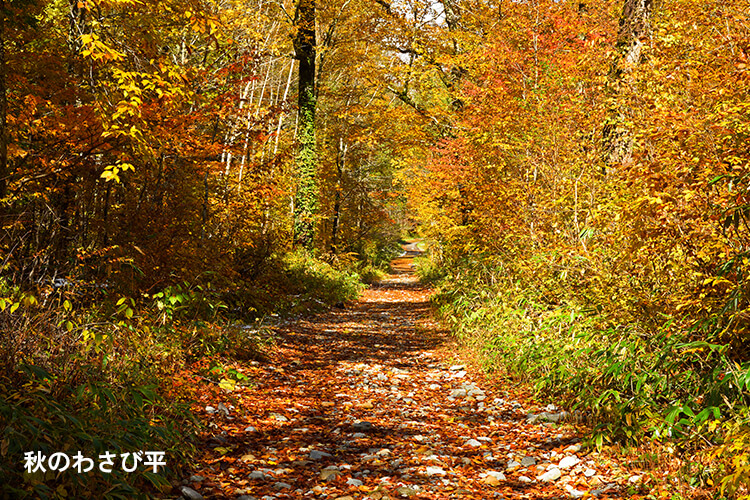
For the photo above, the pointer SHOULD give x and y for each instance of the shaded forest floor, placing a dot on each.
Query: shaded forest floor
(371, 401)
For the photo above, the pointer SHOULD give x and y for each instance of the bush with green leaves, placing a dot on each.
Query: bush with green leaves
(314, 283)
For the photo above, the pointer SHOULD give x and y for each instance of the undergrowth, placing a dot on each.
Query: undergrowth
(670, 385)
(113, 373)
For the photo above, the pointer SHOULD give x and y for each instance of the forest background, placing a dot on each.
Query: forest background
(170, 171)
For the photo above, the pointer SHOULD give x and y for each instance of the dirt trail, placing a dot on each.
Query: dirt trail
(368, 402)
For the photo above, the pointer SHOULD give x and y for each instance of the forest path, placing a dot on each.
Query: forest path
(367, 403)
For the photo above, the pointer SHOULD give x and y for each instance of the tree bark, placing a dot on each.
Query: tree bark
(306, 197)
(634, 25)
(340, 159)
(3, 108)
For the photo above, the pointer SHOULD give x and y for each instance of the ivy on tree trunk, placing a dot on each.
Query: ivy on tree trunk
(306, 197)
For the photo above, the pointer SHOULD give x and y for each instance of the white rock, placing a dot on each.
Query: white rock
(574, 493)
(589, 472)
(473, 443)
(634, 479)
(497, 475)
(456, 368)
(354, 482)
(568, 462)
(524, 479)
(551, 475)
(434, 471)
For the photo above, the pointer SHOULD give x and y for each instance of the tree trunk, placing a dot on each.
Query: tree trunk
(340, 159)
(306, 197)
(3, 108)
(634, 25)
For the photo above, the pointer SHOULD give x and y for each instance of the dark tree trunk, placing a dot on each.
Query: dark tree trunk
(3, 108)
(306, 198)
(340, 159)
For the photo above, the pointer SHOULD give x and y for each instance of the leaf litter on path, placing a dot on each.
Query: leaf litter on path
(368, 403)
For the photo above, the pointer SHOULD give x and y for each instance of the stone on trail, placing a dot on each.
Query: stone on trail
(524, 479)
(282, 486)
(354, 482)
(362, 425)
(551, 475)
(406, 491)
(547, 417)
(456, 368)
(434, 471)
(512, 464)
(473, 443)
(458, 393)
(574, 493)
(493, 478)
(318, 455)
(568, 462)
(528, 461)
(256, 474)
(190, 493)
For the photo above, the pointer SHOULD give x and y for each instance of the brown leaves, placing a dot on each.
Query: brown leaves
(356, 404)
